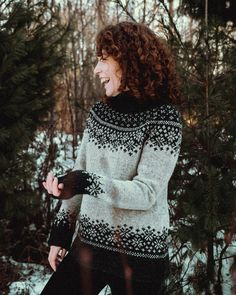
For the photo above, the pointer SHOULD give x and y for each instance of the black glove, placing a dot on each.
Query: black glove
(71, 182)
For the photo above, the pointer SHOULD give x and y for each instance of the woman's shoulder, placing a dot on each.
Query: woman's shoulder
(165, 113)
(153, 114)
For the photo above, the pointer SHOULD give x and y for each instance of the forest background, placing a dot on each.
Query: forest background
(47, 56)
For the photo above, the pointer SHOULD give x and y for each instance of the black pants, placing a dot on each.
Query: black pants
(74, 279)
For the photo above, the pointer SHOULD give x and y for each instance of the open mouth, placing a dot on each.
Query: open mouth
(105, 81)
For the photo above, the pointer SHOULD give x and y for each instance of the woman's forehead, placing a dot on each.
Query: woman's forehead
(104, 54)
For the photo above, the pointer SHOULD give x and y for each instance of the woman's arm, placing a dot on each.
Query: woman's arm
(65, 221)
(157, 163)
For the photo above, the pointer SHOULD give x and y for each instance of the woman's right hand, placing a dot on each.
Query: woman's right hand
(52, 186)
(55, 256)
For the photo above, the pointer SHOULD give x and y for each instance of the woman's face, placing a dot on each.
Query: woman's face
(109, 72)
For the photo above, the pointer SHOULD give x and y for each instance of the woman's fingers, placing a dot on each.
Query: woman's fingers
(52, 186)
(49, 182)
(44, 184)
(52, 257)
(55, 190)
(56, 255)
(60, 186)
(63, 253)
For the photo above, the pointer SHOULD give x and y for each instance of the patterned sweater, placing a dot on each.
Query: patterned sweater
(126, 158)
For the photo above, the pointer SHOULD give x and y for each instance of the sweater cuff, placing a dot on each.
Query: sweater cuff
(62, 231)
(80, 182)
(61, 237)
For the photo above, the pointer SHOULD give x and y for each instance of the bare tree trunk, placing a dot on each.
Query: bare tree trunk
(210, 259)
(144, 11)
(207, 62)
(171, 8)
(101, 10)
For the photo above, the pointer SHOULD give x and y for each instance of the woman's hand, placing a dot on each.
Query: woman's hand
(52, 186)
(56, 255)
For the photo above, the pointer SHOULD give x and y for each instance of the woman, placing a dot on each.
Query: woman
(128, 153)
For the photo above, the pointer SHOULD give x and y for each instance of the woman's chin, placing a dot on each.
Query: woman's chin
(111, 93)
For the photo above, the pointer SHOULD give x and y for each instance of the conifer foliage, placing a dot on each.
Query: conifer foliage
(29, 61)
(205, 211)
(222, 10)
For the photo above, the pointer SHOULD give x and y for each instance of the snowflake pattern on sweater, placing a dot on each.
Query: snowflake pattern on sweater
(128, 159)
(144, 242)
(126, 132)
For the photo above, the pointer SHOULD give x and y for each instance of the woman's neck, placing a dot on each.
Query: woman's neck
(125, 102)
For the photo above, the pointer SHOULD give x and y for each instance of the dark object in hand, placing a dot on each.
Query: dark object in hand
(71, 184)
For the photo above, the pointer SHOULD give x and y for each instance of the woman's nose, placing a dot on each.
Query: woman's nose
(96, 70)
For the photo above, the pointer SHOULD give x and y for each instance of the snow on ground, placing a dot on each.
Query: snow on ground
(33, 278)
(191, 259)
(226, 276)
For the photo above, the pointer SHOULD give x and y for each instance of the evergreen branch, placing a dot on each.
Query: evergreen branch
(232, 39)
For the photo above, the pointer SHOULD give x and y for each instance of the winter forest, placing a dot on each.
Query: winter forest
(47, 86)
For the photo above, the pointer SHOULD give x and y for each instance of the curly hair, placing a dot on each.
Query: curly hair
(148, 69)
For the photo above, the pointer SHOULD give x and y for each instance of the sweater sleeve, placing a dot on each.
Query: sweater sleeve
(65, 221)
(158, 159)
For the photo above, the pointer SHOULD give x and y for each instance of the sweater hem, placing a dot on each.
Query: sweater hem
(124, 251)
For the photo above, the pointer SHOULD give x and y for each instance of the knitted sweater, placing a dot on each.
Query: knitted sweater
(126, 158)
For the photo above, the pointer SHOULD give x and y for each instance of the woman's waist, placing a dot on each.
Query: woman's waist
(142, 268)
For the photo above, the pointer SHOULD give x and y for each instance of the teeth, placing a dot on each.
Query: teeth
(105, 81)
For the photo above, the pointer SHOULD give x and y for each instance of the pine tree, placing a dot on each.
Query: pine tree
(206, 171)
(30, 35)
(220, 10)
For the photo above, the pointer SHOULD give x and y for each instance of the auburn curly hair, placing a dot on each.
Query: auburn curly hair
(148, 69)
